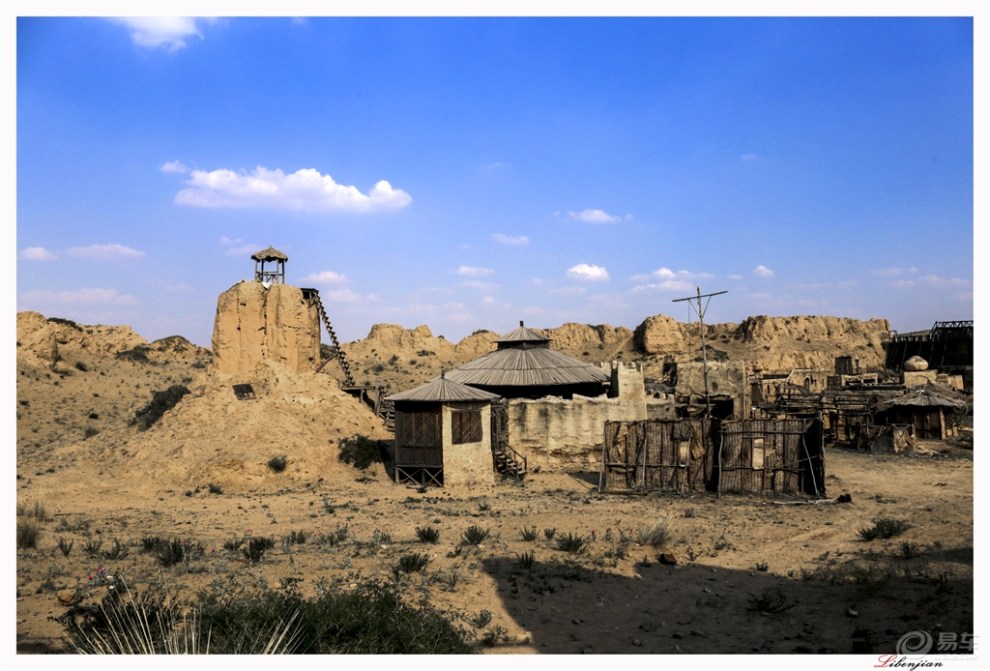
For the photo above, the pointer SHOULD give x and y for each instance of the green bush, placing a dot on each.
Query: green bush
(361, 451)
(884, 528)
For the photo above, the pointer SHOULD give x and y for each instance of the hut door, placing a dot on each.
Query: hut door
(500, 425)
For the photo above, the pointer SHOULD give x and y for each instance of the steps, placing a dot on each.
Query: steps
(337, 353)
(509, 462)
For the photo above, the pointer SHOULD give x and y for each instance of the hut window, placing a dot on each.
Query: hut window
(465, 426)
(418, 429)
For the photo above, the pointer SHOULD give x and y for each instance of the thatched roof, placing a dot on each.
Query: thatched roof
(930, 395)
(269, 254)
(442, 390)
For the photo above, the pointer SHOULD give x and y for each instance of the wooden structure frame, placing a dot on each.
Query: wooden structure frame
(760, 456)
(269, 255)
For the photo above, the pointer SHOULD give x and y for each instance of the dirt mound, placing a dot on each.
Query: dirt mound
(212, 437)
(578, 338)
(46, 341)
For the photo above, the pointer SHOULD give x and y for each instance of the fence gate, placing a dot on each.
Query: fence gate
(656, 455)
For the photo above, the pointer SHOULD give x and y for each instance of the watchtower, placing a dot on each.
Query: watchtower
(269, 255)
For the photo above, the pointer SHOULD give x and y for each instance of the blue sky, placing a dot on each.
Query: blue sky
(468, 173)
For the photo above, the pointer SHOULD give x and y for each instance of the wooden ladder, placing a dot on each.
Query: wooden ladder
(336, 352)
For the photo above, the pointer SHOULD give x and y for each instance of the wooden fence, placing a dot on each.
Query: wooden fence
(764, 456)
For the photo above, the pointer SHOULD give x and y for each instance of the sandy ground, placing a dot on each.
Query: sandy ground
(94, 486)
(615, 596)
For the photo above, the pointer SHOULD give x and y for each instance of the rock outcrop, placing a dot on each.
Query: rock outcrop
(255, 324)
(660, 334)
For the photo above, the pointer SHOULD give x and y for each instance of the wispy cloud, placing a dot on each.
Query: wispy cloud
(474, 271)
(895, 271)
(325, 277)
(664, 279)
(305, 190)
(593, 216)
(105, 252)
(85, 296)
(165, 32)
(586, 272)
(174, 167)
(763, 271)
(237, 247)
(510, 240)
(38, 254)
(481, 286)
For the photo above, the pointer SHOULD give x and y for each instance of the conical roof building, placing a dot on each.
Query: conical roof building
(524, 366)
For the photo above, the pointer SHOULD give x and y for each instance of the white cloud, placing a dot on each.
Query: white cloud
(305, 190)
(174, 167)
(474, 271)
(38, 254)
(590, 216)
(670, 280)
(105, 252)
(569, 291)
(763, 271)
(168, 32)
(481, 286)
(666, 285)
(325, 277)
(588, 273)
(86, 296)
(895, 272)
(510, 240)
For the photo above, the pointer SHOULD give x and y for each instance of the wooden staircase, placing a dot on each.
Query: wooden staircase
(509, 462)
(336, 352)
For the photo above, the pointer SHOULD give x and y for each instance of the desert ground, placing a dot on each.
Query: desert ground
(735, 575)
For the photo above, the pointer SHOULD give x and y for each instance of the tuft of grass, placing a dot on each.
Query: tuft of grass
(482, 619)
(28, 533)
(64, 546)
(883, 528)
(525, 560)
(256, 548)
(215, 489)
(427, 534)
(474, 535)
(771, 602)
(35, 509)
(295, 538)
(278, 464)
(412, 562)
(528, 535)
(549, 533)
(656, 536)
(573, 543)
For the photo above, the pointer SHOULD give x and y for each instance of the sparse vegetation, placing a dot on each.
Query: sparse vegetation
(427, 534)
(571, 542)
(474, 535)
(655, 536)
(28, 533)
(770, 602)
(884, 528)
(528, 534)
(361, 451)
(278, 464)
(256, 548)
(412, 562)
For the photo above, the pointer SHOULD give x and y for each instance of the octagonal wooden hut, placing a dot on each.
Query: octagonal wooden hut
(443, 434)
